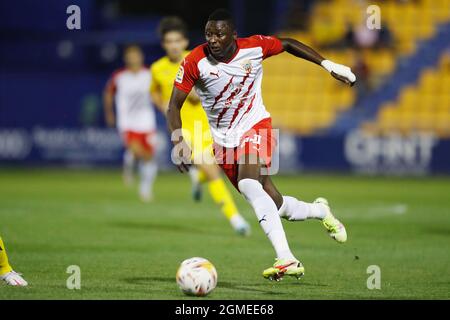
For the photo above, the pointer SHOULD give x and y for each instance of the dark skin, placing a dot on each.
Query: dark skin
(221, 39)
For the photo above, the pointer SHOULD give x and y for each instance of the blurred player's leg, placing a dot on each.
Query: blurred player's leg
(143, 151)
(209, 172)
(222, 197)
(4, 264)
(195, 175)
(148, 171)
(128, 167)
(7, 274)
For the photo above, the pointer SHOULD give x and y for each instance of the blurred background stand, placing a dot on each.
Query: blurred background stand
(51, 80)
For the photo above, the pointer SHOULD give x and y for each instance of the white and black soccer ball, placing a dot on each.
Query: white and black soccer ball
(196, 276)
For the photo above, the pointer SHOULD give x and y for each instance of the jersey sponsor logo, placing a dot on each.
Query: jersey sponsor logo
(180, 75)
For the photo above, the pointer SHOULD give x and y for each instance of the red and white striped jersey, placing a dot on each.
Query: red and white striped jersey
(132, 97)
(230, 91)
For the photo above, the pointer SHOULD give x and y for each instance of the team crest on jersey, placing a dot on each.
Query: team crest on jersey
(247, 66)
(180, 74)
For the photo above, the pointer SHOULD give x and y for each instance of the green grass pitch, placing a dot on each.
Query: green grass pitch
(51, 219)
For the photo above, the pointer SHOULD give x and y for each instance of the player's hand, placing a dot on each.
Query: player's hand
(181, 156)
(342, 78)
(340, 72)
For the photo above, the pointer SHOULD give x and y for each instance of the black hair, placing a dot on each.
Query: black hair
(222, 15)
(172, 23)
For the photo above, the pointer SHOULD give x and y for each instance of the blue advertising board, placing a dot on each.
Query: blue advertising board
(55, 119)
(355, 152)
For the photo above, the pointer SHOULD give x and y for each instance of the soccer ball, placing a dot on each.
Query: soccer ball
(196, 276)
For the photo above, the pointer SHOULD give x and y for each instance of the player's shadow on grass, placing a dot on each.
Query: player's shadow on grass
(160, 227)
(147, 280)
(229, 285)
(441, 231)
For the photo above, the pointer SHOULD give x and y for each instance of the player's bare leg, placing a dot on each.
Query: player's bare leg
(148, 170)
(249, 183)
(293, 209)
(223, 198)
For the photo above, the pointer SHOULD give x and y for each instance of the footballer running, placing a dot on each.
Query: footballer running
(226, 73)
(136, 121)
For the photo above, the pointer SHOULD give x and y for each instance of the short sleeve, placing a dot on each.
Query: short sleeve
(187, 75)
(271, 45)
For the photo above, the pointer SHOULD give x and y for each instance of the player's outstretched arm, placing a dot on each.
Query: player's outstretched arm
(301, 50)
(181, 149)
(108, 107)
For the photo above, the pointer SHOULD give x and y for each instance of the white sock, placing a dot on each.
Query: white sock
(194, 175)
(237, 221)
(267, 214)
(296, 210)
(148, 170)
(128, 162)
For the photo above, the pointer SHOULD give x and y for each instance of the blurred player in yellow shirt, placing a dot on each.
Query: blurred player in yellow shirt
(7, 274)
(174, 41)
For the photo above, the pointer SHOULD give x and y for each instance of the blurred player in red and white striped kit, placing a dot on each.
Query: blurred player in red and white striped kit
(134, 118)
